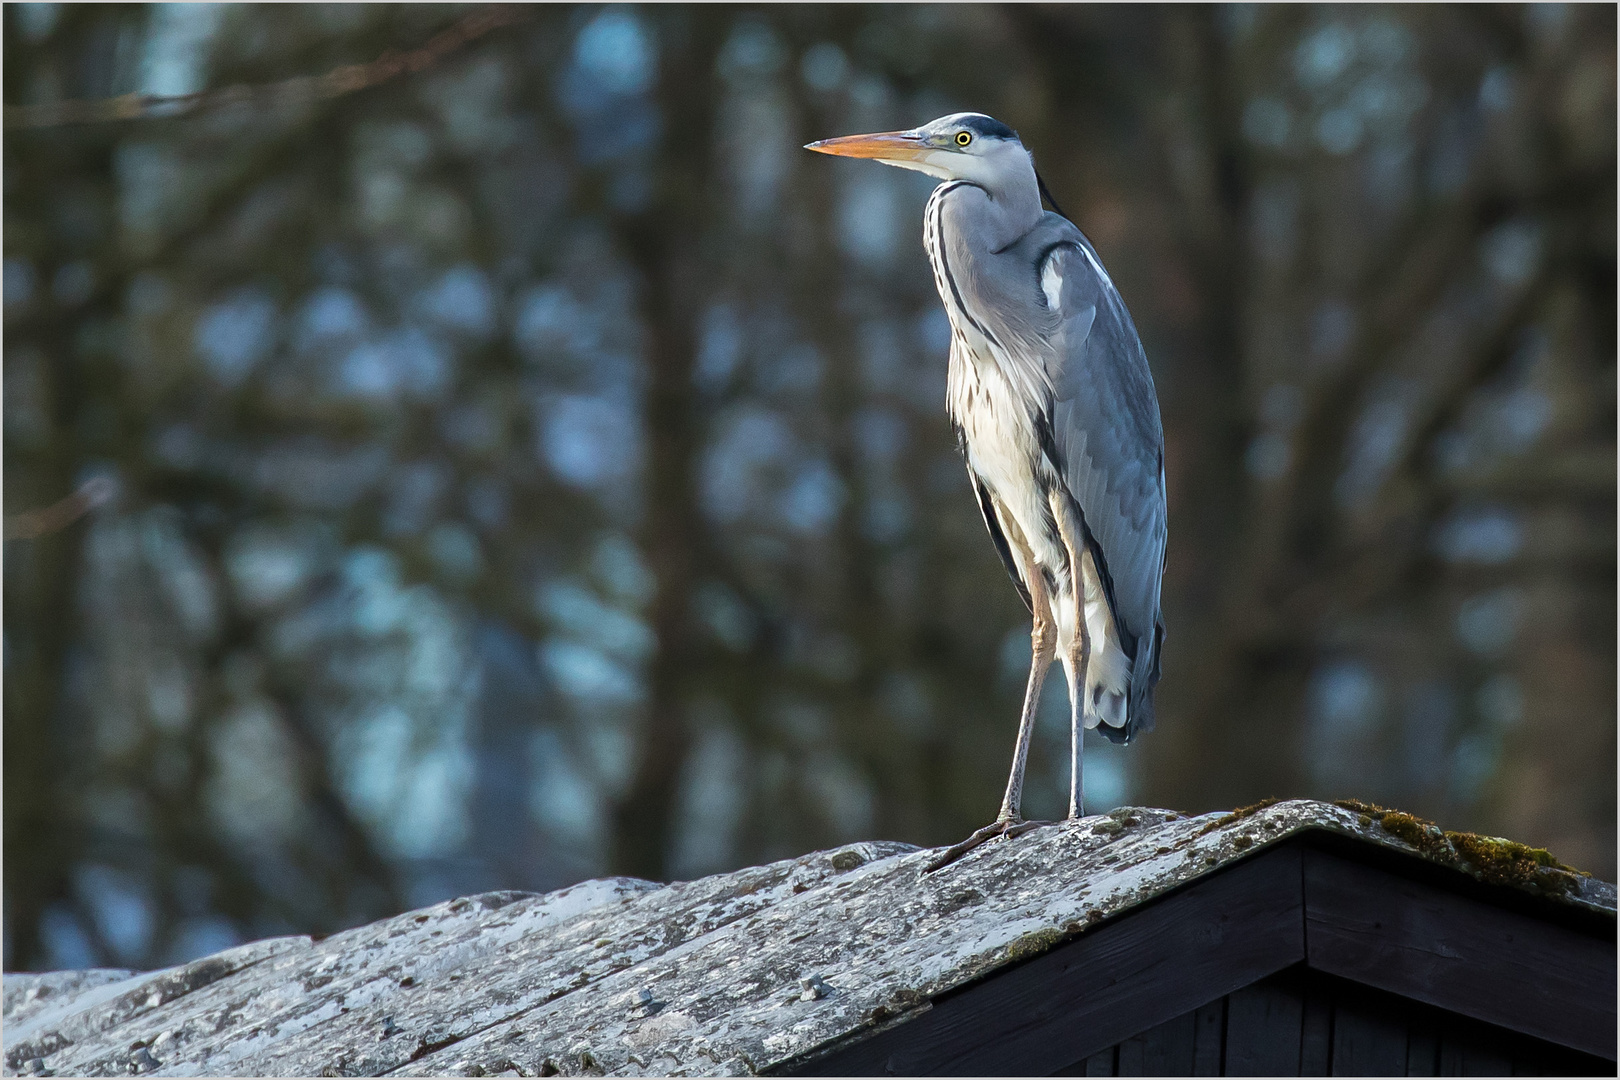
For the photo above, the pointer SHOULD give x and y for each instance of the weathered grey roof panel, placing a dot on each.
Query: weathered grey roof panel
(57, 993)
(734, 973)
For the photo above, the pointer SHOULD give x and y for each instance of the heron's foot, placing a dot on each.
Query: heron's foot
(1008, 827)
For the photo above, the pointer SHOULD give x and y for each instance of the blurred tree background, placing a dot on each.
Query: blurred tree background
(477, 448)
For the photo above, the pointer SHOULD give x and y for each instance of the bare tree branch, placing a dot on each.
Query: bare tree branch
(32, 524)
(303, 88)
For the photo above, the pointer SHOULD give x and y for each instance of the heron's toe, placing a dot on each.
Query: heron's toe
(1019, 828)
(1008, 827)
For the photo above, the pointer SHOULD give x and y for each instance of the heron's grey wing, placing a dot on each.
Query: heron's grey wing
(1109, 446)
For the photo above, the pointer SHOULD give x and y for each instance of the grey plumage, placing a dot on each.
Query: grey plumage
(1054, 405)
(1110, 447)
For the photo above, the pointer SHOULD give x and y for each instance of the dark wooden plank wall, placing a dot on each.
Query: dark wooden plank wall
(1301, 1022)
(1460, 953)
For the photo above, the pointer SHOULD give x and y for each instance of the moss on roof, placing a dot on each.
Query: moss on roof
(1489, 858)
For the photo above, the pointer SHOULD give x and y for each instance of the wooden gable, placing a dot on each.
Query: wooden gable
(1316, 957)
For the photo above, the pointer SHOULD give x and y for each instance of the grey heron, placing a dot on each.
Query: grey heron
(1056, 415)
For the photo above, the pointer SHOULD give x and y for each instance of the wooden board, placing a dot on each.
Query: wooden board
(1264, 1024)
(1369, 1036)
(1469, 957)
(1336, 1027)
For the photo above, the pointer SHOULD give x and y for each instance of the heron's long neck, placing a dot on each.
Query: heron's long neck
(1015, 205)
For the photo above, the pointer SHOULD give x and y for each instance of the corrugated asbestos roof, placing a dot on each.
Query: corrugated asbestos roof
(730, 974)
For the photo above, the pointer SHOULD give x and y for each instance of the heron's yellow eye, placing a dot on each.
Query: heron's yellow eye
(963, 138)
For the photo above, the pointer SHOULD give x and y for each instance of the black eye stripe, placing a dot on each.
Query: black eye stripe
(987, 128)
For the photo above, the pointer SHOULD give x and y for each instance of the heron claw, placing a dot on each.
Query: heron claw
(1008, 827)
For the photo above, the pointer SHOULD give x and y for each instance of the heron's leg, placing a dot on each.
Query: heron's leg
(1042, 646)
(1076, 662)
(1077, 729)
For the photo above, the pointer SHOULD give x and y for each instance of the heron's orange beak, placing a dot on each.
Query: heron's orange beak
(884, 145)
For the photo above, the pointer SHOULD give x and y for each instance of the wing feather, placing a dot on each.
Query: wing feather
(1109, 441)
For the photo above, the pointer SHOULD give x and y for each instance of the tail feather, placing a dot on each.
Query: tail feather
(1144, 675)
(1117, 700)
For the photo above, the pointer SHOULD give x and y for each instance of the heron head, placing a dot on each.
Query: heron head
(961, 146)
